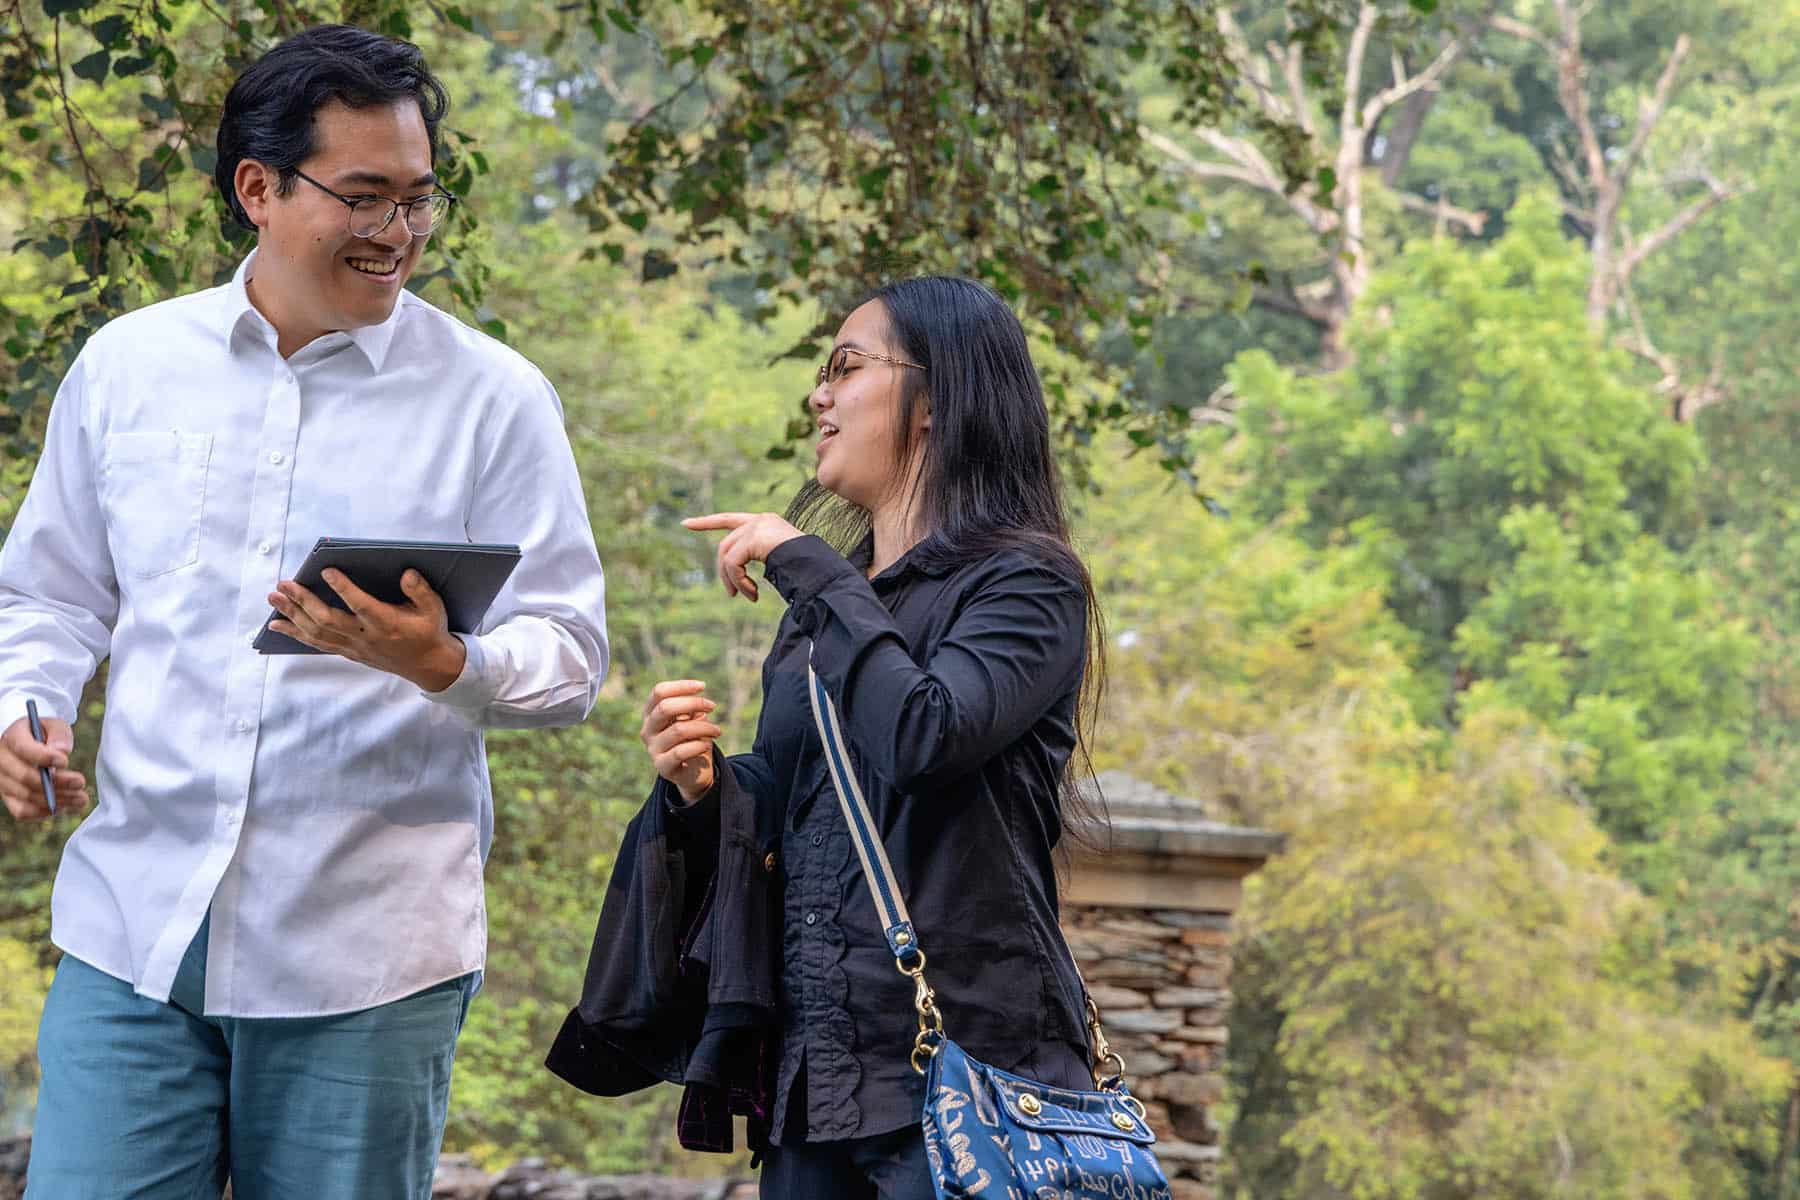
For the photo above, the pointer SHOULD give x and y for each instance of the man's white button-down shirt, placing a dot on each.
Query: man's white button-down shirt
(334, 818)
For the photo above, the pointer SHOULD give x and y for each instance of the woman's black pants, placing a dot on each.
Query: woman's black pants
(888, 1166)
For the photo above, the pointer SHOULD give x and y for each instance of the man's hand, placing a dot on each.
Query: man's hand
(20, 757)
(753, 538)
(411, 640)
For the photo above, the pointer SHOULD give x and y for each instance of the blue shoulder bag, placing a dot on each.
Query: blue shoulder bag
(989, 1133)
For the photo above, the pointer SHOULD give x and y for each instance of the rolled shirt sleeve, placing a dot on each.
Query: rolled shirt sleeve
(59, 599)
(541, 653)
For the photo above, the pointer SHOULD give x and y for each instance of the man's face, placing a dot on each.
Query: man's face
(312, 276)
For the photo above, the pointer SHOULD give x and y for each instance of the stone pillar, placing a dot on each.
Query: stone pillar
(1149, 920)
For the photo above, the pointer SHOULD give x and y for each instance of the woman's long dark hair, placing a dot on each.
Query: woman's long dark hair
(988, 480)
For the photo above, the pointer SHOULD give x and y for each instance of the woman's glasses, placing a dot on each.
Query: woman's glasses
(834, 367)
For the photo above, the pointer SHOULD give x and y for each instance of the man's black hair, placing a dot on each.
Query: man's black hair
(269, 110)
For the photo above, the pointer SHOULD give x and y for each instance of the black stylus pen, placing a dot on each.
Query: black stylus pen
(37, 731)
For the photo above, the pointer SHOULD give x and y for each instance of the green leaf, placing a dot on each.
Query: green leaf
(658, 265)
(130, 66)
(873, 182)
(76, 288)
(701, 55)
(94, 66)
(107, 30)
(1327, 179)
(622, 19)
(62, 8)
(457, 16)
(204, 158)
(163, 109)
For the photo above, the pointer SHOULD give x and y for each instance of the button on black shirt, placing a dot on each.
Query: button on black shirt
(956, 684)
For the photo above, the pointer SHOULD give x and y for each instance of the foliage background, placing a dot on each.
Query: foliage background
(1425, 375)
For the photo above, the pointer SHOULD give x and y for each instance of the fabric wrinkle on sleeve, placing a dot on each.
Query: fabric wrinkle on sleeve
(59, 598)
(541, 655)
(1018, 641)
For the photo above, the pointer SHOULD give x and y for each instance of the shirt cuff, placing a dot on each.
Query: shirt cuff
(479, 682)
(12, 708)
(803, 567)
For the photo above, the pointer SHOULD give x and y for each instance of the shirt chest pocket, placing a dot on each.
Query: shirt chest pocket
(153, 488)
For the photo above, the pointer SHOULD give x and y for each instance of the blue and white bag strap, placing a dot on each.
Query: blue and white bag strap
(890, 905)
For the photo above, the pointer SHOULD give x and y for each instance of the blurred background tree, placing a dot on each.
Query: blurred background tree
(1468, 324)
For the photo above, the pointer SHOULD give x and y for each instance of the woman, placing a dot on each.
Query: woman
(954, 641)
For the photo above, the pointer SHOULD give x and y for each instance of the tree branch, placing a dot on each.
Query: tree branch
(1473, 220)
(1404, 87)
(1717, 193)
(1201, 168)
(1650, 112)
(1571, 90)
(1289, 58)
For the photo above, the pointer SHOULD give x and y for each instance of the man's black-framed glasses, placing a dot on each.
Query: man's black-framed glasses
(369, 215)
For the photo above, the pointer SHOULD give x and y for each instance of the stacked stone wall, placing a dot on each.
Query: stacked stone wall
(1161, 979)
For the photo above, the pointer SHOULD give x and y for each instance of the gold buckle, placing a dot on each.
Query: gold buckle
(931, 1021)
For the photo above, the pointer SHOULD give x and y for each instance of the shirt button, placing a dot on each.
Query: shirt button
(812, 918)
(263, 547)
(818, 839)
(276, 457)
(242, 725)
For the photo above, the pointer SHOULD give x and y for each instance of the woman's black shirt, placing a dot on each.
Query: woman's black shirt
(957, 686)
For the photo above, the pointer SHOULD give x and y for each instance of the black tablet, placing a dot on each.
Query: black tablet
(465, 575)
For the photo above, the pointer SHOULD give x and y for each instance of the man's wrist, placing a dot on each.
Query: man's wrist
(442, 665)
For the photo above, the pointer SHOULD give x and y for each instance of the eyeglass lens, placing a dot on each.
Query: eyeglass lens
(370, 217)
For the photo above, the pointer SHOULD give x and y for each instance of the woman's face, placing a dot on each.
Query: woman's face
(858, 415)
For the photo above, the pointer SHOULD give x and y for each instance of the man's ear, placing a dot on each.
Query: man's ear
(255, 184)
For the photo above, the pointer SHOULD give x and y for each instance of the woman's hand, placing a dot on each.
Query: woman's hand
(679, 733)
(753, 538)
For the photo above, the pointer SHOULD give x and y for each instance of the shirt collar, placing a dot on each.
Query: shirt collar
(372, 340)
(926, 557)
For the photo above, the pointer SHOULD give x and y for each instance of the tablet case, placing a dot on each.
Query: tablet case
(465, 575)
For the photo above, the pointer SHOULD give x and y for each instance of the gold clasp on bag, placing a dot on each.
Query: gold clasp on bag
(1104, 1053)
(931, 1021)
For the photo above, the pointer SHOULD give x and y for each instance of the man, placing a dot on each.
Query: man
(273, 922)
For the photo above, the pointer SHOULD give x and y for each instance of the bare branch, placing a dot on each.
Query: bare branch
(1353, 64)
(1289, 58)
(1247, 166)
(1571, 90)
(1651, 111)
(1686, 401)
(1253, 68)
(1717, 193)
(1201, 168)
(1290, 301)
(1404, 87)
(1519, 29)
(1473, 220)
